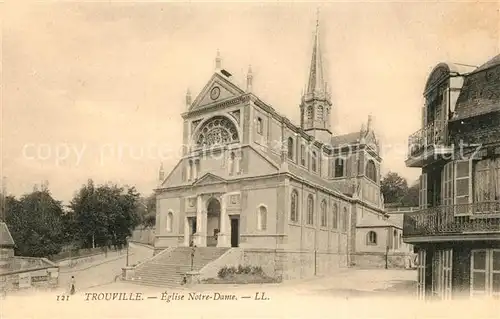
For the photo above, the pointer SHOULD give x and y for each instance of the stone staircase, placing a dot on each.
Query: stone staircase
(167, 268)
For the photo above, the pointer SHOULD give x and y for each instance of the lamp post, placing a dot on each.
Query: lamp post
(192, 257)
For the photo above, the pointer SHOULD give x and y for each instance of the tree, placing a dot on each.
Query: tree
(147, 211)
(35, 222)
(411, 196)
(393, 187)
(105, 214)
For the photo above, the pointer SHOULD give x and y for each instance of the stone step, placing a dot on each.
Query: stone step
(167, 270)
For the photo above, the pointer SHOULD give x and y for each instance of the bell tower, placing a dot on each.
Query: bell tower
(316, 104)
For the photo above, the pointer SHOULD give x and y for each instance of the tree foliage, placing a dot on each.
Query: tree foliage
(147, 211)
(35, 222)
(105, 214)
(100, 215)
(395, 190)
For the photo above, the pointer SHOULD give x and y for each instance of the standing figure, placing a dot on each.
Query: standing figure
(72, 286)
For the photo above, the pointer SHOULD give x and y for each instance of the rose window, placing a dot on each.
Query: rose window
(217, 131)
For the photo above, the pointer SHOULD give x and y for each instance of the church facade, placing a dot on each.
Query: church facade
(289, 195)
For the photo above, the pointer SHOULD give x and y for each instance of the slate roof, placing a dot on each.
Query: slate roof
(342, 188)
(349, 138)
(372, 221)
(6, 239)
(489, 64)
(480, 93)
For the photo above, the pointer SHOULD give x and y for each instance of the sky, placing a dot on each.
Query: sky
(95, 90)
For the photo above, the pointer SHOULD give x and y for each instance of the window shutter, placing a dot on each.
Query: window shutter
(421, 261)
(463, 187)
(423, 191)
(447, 184)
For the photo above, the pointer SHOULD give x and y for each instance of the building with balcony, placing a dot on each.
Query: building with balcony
(288, 195)
(456, 231)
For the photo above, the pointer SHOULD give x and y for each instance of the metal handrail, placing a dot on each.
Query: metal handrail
(475, 217)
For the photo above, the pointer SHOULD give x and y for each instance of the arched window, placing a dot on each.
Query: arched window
(310, 210)
(310, 112)
(219, 130)
(231, 163)
(197, 168)
(290, 148)
(303, 155)
(313, 161)
(260, 126)
(335, 213)
(170, 221)
(339, 167)
(323, 214)
(345, 220)
(371, 171)
(320, 113)
(371, 238)
(262, 218)
(190, 170)
(294, 213)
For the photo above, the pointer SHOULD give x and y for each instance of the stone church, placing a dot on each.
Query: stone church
(288, 195)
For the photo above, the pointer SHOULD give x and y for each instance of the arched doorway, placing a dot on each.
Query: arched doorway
(213, 221)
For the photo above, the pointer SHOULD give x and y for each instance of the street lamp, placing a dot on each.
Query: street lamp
(192, 257)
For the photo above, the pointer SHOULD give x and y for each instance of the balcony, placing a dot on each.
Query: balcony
(455, 222)
(427, 144)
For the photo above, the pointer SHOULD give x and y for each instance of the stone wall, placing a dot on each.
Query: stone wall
(144, 236)
(45, 278)
(294, 264)
(378, 259)
(72, 262)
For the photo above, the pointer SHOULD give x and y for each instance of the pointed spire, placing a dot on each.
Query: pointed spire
(369, 124)
(363, 129)
(161, 174)
(316, 83)
(188, 98)
(249, 79)
(218, 61)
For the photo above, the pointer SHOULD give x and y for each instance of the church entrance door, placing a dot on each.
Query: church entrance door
(213, 221)
(235, 232)
(192, 229)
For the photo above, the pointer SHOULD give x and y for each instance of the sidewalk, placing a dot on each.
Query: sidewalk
(114, 255)
(103, 271)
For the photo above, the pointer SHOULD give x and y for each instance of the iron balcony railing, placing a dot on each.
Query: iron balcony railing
(441, 220)
(432, 134)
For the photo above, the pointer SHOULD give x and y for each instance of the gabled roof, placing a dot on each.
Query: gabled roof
(374, 222)
(6, 239)
(209, 178)
(227, 89)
